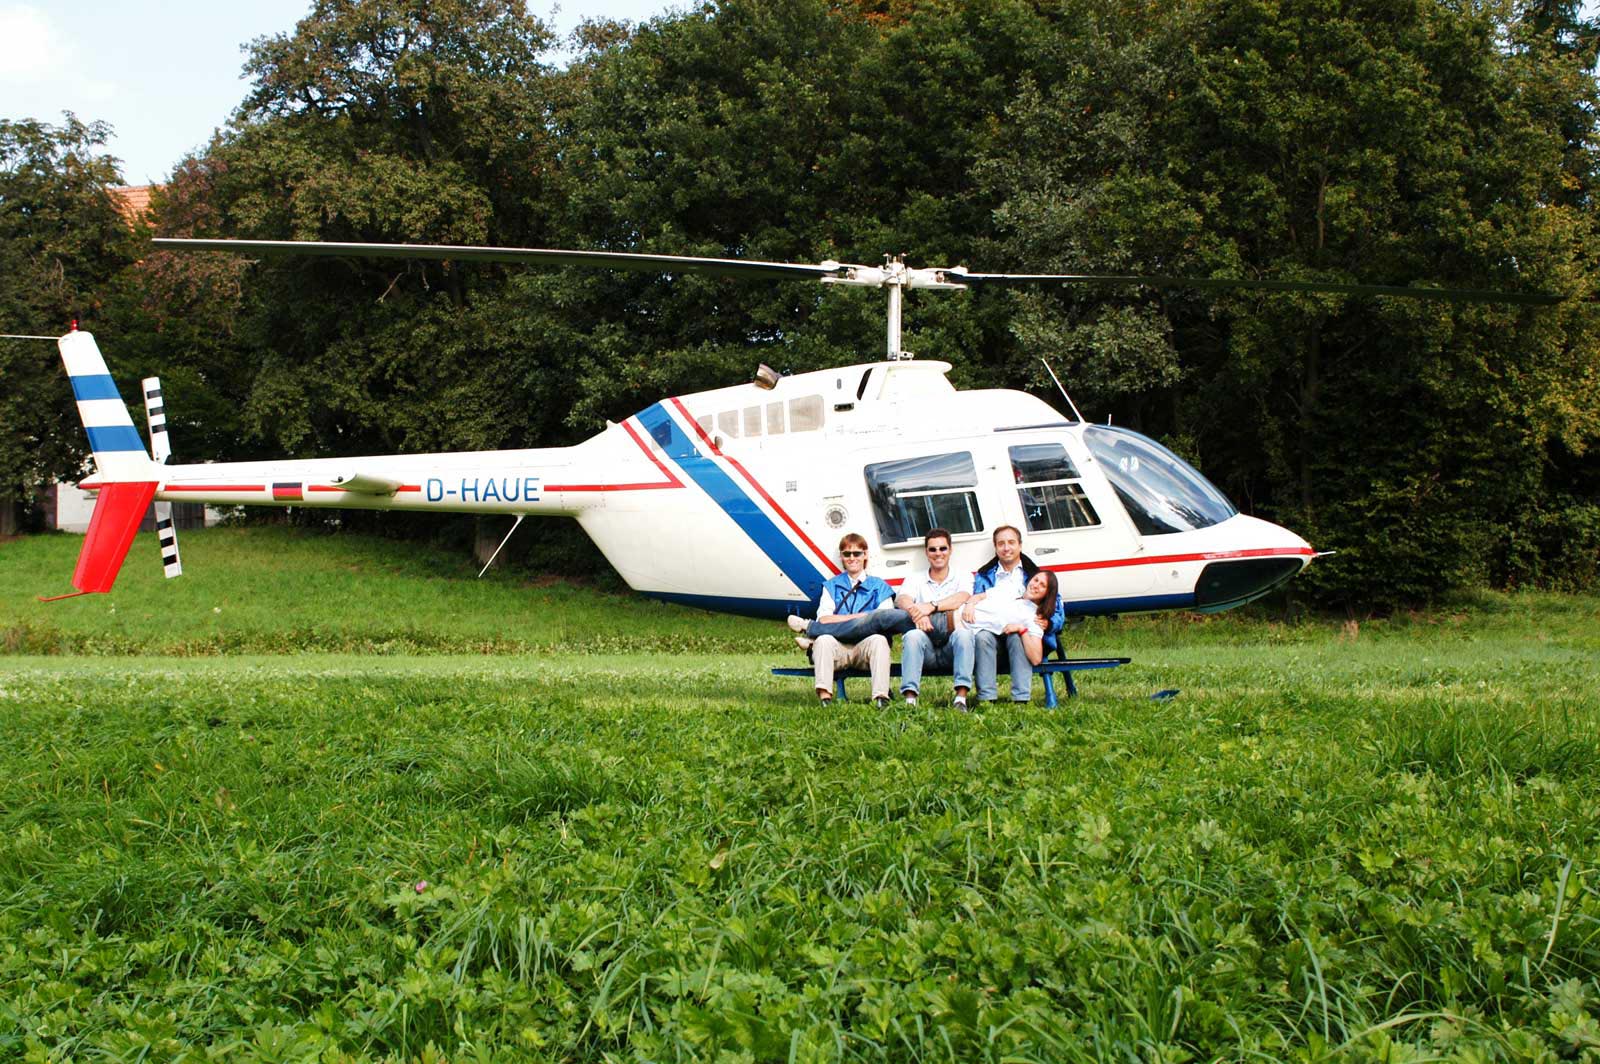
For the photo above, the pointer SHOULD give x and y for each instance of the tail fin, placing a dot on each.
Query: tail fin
(119, 453)
(127, 477)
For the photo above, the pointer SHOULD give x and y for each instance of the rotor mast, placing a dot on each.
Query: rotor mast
(896, 277)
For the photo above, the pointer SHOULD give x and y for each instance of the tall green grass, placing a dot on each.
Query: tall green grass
(1378, 843)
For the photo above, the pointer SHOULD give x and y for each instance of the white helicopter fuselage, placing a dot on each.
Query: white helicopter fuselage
(735, 499)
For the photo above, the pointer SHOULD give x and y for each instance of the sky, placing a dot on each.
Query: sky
(165, 76)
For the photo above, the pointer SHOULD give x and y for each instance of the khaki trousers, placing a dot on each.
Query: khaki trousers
(872, 654)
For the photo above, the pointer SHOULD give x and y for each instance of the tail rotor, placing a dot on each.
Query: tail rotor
(161, 449)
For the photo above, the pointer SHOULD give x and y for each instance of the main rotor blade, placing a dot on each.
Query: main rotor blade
(619, 260)
(1458, 295)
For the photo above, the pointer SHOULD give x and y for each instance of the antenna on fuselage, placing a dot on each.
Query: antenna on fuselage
(1074, 406)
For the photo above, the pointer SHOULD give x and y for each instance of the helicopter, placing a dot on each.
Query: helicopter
(730, 499)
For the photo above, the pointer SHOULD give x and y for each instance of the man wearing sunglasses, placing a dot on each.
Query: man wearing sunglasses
(928, 601)
(851, 596)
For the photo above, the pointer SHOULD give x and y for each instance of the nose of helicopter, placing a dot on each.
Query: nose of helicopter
(1274, 555)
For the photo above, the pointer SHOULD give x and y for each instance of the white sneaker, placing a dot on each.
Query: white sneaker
(797, 623)
(959, 703)
(911, 699)
(804, 642)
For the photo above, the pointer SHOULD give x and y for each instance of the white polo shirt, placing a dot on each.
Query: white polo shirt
(926, 589)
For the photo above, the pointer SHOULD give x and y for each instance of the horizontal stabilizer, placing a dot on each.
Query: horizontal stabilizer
(366, 484)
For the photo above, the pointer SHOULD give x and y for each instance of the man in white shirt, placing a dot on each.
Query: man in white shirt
(1005, 576)
(929, 601)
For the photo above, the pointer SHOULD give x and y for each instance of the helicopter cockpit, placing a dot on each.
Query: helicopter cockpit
(1162, 493)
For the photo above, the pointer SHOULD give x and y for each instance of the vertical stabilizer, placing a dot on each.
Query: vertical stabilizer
(127, 477)
(119, 453)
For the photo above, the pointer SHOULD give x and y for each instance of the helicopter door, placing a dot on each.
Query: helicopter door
(1066, 528)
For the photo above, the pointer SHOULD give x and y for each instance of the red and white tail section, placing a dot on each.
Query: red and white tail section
(161, 449)
(126, 477)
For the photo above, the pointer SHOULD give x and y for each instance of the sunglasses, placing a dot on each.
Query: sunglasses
(852, 554)
(938, 550)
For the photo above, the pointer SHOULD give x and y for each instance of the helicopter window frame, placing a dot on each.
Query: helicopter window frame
(1060, 495)
(942, 491)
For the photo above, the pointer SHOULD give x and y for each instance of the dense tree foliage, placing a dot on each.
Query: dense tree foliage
(1452, 145)
(62, 244)
(1334, 141)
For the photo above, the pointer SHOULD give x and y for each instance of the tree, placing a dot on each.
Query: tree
(794, 130)
(421, 121)
(1339, 141)
(62, 241)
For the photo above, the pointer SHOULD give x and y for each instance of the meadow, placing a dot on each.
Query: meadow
(331, 798)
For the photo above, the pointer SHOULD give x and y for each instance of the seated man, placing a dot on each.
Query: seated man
(1006, 575)
(848, 596)
(929, 601)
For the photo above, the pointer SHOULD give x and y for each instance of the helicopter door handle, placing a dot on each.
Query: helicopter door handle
(1047, 550)
(891, 565)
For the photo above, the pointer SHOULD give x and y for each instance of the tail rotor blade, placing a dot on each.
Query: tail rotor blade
(161, 449)
(155, 411)
(167, 535)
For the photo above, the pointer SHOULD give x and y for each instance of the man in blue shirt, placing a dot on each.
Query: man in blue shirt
(847, 596)
(1007, 573)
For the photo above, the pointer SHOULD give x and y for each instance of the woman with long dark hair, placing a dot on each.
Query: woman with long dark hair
(1027, 615)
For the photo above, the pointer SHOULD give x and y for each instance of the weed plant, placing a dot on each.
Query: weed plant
(1337, 843)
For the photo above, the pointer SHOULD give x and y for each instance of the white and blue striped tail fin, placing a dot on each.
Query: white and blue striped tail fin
(119, 453)
(155, 412)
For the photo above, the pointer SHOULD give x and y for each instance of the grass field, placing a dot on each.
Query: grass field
(330, 799)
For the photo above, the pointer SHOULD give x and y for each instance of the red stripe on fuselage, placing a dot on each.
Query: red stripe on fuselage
(1167, 559)
(671, 482)
(213, 487)
(827, 562)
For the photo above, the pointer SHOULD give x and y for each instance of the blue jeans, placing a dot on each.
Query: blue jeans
(1021, 667)
(875, 622)
(937, 651)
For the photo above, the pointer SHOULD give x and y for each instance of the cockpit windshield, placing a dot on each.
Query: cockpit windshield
(1162, 493)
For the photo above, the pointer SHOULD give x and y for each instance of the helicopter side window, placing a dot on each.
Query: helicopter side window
(1050, 488)
(752, 421)
(912, 496)
(774, 419)
(805, 413)
(728, 424)
(704, 421)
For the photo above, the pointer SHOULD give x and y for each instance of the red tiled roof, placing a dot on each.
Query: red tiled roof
(133, 201)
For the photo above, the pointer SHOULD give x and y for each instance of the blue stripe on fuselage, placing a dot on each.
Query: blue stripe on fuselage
(772, 609)
(734, 502)
(1133, 604)
(780, 608)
